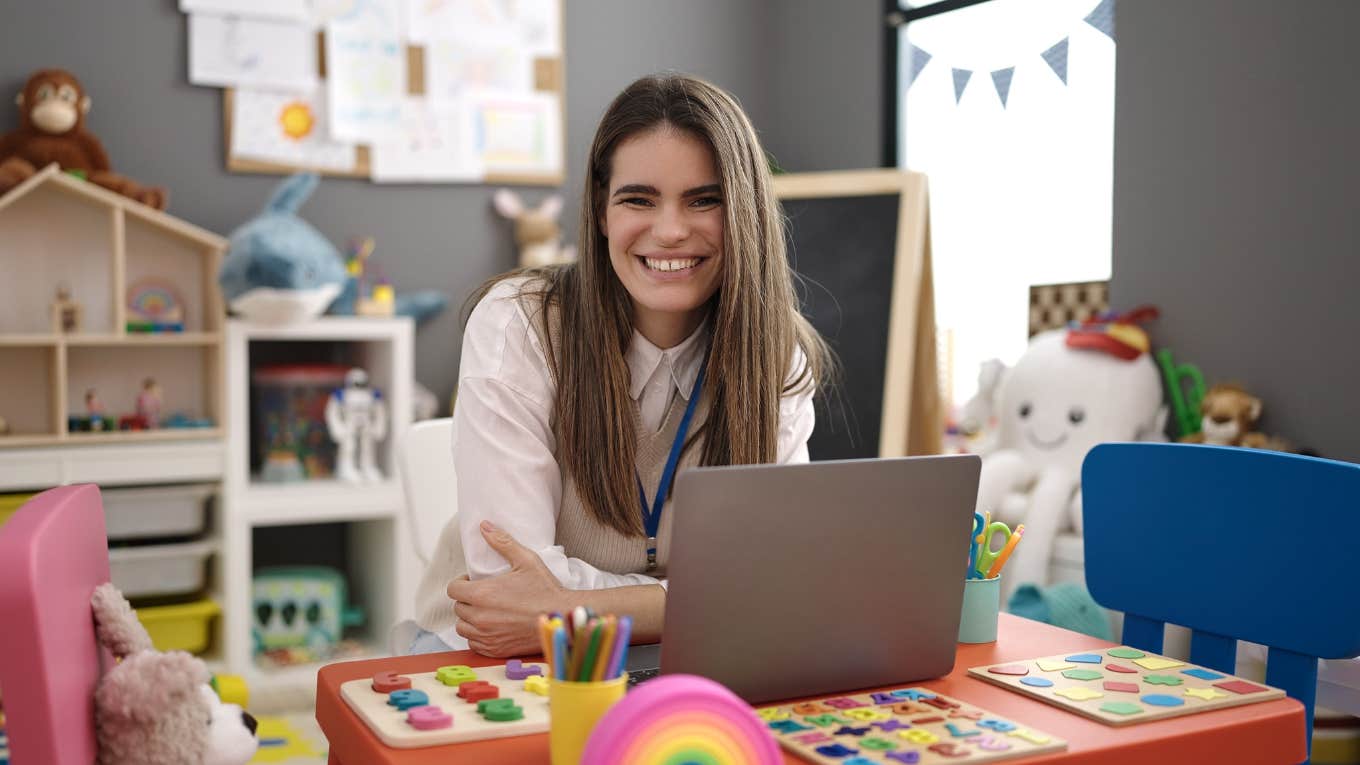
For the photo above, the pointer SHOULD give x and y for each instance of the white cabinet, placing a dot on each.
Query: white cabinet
(370, 518)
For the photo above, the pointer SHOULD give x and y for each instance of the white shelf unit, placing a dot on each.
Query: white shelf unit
(373, 518)
(114, 256)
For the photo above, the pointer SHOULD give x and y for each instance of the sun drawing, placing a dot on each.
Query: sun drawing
(296, 120)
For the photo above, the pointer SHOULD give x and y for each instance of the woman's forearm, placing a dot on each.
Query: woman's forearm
(645, 603)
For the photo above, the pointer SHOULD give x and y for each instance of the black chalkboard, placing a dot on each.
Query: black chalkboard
(843, 249)
(859, 245)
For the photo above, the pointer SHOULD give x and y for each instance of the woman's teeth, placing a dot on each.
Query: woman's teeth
(678, 264)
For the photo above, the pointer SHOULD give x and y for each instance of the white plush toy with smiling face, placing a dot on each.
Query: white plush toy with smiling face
(1056, 403)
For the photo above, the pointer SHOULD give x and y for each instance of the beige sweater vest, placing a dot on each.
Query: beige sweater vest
(578, 532)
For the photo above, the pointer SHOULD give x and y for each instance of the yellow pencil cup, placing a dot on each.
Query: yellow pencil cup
(575, 708)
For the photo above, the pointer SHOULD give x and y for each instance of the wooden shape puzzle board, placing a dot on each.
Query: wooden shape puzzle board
(397, 729)
(910, 725)
(1122, 685)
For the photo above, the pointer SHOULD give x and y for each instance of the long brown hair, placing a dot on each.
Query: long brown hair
(756, 324)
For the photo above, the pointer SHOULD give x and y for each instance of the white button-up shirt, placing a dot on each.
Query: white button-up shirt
(504, 450)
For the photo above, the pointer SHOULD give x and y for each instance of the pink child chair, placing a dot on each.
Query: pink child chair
(53, 553)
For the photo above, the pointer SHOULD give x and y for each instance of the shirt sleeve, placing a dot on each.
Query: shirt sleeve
(504, 449)
(796, 416)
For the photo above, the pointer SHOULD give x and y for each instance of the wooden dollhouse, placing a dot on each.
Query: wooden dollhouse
(108, 313)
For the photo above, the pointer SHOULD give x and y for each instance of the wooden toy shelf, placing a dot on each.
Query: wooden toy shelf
(113, 257)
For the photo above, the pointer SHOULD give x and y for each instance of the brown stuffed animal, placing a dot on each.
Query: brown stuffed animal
(1229, 414)
(52, 110)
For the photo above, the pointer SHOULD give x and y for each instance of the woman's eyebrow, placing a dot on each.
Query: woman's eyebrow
(637, 188)
(711, 188)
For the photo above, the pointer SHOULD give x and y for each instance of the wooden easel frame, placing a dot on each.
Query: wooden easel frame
(912, 418)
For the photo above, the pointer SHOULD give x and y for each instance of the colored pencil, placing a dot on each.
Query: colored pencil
(592, 651)
(620, 657)
(559, 660)
(611, 624)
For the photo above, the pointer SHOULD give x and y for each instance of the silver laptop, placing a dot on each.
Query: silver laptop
(796, 580)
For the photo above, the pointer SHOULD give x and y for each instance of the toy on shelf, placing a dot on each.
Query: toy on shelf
(67, 314)
(154, 708)
(149, 403)
(94, 420)
(357, 419)
(1185, 389)
(1072, 389)
(1228, 415)
(368, 293)
(536, 231)
(52, 110)
(453, 704)
(905, 725)
(1123, 685)
(279, 269)
(685, 718)
(154, 305)
(289, 420)
(301, 607)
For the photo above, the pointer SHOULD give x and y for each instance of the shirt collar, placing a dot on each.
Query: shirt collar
(683, 361)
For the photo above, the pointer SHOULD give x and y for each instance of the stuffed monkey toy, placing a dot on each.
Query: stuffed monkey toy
(52, 109)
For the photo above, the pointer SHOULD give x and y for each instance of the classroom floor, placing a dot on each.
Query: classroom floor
(291, 738)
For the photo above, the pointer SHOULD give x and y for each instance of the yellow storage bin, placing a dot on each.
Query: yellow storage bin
(182, 627)
(10, 504)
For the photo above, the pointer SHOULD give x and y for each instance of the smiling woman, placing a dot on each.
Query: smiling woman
(675, 340)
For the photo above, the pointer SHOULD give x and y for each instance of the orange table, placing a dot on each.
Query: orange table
(1270, 732)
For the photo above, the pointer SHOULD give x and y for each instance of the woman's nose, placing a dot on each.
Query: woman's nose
(671, 228)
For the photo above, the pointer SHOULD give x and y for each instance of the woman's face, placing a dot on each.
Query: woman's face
(663, 219)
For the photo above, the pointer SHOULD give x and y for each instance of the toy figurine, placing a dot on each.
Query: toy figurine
(1228, 418)
(149, 403)
(66, 313)
(94, 410)
(357, 420)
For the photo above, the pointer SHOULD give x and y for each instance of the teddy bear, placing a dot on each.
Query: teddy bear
(1228, 414)
(154, 708)
(52, 109)
(536, 230)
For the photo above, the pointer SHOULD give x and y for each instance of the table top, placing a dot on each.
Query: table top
(1267, 732)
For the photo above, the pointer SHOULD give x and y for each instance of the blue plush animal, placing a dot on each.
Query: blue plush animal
(279, 269)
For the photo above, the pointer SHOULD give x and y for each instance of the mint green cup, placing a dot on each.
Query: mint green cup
(981, 604)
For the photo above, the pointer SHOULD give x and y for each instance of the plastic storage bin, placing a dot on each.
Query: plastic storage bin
(289, 440)
(180, 627)
(156, 511)
(160, 569)
(10, 504)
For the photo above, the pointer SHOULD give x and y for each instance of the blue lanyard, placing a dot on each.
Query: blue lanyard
(651, 516)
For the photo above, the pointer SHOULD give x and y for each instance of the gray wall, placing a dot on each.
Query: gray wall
(807, 72)
(1235, 176)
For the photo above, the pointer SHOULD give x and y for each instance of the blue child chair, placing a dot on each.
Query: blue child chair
(1232, 543)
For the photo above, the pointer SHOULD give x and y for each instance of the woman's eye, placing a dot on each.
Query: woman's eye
(707, 202)
(638, 201)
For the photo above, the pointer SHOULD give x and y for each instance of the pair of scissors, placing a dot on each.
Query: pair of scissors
(979, 523)
(986, 556)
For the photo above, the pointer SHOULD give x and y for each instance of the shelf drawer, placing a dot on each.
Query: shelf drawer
(156, 511)
(160, 569)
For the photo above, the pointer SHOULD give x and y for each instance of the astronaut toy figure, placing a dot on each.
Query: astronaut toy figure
(357, 420)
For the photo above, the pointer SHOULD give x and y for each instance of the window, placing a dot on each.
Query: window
(1008, 107)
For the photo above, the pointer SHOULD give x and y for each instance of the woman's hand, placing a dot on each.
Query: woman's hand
(499, 616)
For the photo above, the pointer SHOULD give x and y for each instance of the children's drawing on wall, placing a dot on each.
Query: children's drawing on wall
(435, 145)
(517, 133)
(251, 52)
(456, 67)
(366, 64)
(287, 128)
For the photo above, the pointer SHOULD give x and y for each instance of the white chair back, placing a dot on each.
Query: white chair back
(427, 476)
